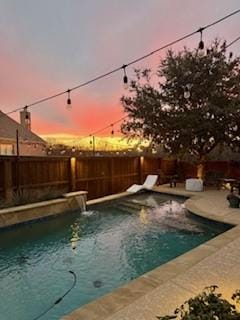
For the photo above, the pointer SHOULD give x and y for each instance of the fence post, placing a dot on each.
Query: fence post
(111, 175)
(72, 181)
(141, 162)
(8, 188)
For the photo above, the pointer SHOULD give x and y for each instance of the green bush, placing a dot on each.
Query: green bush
(208, 305)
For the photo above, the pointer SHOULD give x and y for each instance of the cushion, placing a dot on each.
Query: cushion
(194, 184)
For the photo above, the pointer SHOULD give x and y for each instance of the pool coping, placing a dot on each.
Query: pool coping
(111, 303)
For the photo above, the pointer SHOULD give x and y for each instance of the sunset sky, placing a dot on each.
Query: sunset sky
(49, 46)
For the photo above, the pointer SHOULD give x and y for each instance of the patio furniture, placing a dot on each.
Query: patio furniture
(233, 183)
(148, 184)
(234, 200)
(194, 184)
(172, 180)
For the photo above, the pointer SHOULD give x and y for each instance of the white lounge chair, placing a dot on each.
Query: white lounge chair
(148, 184)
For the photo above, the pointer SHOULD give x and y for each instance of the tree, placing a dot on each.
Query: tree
(195, 106)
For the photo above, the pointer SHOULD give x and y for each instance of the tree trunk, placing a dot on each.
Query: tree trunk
(201, 168)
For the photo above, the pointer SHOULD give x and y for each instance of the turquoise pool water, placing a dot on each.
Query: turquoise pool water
(106, 247)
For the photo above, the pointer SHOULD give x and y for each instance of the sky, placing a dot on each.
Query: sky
(49, 46)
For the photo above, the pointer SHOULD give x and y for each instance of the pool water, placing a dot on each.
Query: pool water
(107, 246)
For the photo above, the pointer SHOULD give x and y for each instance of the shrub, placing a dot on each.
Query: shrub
(208, 305)
(30, 196)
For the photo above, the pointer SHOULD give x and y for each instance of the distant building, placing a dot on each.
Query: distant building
(29, 144)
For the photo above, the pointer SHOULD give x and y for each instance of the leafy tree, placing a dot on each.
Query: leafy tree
(209, 305)
(194, 107)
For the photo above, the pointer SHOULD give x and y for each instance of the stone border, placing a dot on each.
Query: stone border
(107, 305)
(108, 198)
(13, 216)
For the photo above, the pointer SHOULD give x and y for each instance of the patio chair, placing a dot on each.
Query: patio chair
(148, 184)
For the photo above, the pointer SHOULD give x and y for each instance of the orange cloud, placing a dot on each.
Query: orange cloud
(25, 83)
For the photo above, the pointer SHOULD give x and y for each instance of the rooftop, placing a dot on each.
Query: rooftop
(8, 128)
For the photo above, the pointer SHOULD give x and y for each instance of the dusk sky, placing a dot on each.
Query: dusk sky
(49, 46)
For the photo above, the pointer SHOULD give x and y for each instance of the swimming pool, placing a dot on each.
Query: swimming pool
(107, 246)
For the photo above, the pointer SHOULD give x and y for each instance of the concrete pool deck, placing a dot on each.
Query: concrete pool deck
(160, 291)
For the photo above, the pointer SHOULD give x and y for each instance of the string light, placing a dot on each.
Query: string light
(27, 118)
(125, 78)
(130, 63)
(201, 43)
(104, 128)
(69, 102)
(112, 131)
(26, 114)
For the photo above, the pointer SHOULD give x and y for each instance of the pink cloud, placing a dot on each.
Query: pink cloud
(25, 83)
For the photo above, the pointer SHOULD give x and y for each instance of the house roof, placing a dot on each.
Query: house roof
(8, 128)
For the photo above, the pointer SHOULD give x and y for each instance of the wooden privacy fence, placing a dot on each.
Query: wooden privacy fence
(99, 176)
(224, 169)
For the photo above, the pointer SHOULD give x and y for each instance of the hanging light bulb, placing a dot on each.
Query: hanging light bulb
(201, 43)
(125, 78)
(112, 131)
(69, 102)
(27, 118)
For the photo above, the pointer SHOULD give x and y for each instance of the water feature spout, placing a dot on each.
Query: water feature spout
(81, 200)
(76, 200)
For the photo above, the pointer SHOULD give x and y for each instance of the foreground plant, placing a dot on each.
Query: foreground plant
(30, 196)
(208, 305)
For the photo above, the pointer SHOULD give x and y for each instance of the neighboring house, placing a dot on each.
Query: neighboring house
(29, 144)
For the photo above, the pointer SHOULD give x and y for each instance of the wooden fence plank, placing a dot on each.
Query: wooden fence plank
(100, 176)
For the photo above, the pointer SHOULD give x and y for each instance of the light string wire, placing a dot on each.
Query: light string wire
(123, 118)
(231, 43)
(126, 65)
(104, 128)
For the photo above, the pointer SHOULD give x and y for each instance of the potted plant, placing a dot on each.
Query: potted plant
(208, 305)
(234, 200)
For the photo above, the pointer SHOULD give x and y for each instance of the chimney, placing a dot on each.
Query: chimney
(25, 119)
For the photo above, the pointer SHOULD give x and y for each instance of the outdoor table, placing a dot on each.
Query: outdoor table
(172, 180)
(234, 183)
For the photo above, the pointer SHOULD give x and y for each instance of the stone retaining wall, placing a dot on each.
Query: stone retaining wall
(30, 212)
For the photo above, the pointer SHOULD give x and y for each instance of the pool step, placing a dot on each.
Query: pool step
(142, 204)
(126, 209)
(131, 207)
